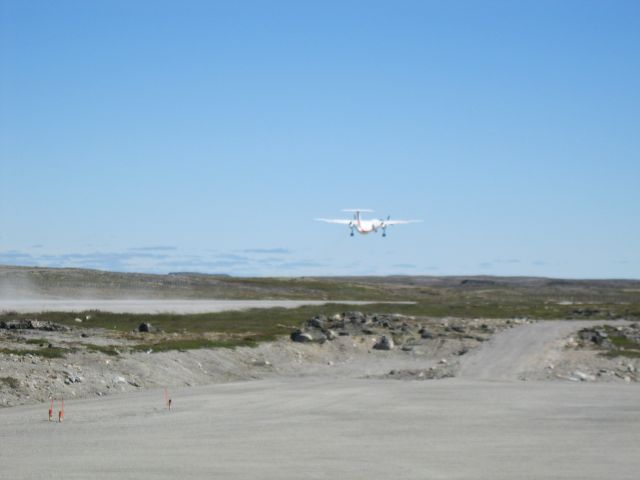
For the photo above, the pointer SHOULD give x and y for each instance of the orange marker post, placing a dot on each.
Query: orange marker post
(51, 411)
(61, 412)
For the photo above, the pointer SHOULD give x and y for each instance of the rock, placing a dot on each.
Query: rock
(79, 320)
(145, 327)
(571, 343)
(308, 337)
(592, 335)
(72, 378)
(302, 337)
(355, 317)
(426, 334)
(331, 334)
(317, 322)
(487, 328)
(262, 363)
(32, 325)
(583, 377)
(385, 343)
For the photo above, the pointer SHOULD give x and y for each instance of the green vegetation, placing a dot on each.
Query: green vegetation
(47, 352)
(37, 341)
(110, 350)
(194, 344)
(436, 297)
(623, 345)
(472, 293)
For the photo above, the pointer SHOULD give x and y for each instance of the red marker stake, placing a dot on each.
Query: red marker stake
(61, 412)
(51, 411)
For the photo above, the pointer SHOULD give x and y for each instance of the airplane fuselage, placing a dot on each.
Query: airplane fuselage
(366, 226)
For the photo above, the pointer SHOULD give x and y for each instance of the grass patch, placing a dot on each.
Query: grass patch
(37, 341)
(623, 353)
(623, 346)
(106, 349)
(48, 352)
(194, 344)
(10, 382)
(624, 343)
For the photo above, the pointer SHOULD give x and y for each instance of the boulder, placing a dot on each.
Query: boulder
(584, 377)
(317, 322)
(385, 343)
(145, 327)
(308, 337)
(355, 317)
(426, 334)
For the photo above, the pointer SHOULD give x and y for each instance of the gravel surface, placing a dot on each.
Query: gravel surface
(335, 428)
(159, 306)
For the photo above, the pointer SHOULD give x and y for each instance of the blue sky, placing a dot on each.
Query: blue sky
(206, 135)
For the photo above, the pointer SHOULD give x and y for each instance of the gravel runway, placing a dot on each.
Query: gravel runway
(160, 306)
(326, 429)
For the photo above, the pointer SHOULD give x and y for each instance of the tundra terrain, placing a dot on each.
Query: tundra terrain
(439, 377)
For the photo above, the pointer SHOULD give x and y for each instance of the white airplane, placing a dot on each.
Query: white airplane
(366, 226)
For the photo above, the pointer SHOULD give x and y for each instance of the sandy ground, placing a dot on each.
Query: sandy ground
(483, 425)
(157, 306)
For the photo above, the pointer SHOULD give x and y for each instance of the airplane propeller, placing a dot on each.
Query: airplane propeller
(384, 226)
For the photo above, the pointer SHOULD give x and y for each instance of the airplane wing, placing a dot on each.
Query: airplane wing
(400, 222)
(334, 220)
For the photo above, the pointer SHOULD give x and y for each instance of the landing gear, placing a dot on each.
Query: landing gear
(384, 232)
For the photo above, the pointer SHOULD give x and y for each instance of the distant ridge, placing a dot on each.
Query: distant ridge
(27, 282)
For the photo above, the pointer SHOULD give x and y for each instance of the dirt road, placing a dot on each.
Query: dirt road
(516, 351)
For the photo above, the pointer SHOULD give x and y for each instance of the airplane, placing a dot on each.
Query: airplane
(366, 226)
